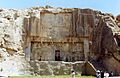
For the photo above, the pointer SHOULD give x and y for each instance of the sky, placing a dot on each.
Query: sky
(107, 6)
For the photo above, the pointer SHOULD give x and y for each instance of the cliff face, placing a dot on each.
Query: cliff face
(105, 45)
(93, 28)
(91, 34)
(12, 60)
(103, 32)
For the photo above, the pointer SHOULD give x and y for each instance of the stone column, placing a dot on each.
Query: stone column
(86, 40)
(28, 52)
(86, 49)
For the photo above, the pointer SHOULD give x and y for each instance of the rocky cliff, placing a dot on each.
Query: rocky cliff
(16, 26)
(12, 61)
(103, 32)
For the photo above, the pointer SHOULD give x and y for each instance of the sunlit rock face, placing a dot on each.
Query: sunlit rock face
(35, 34)
(90, 32)
(12, 61)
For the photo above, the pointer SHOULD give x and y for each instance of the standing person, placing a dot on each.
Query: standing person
(106, 75)
(73, 73)
(102, 74)
(98, 75)
(111, 74)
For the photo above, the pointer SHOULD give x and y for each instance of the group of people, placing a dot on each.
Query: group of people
(101, 74)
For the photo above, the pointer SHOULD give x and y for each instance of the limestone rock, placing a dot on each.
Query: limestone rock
(11, 62)
(118, 18)
(22, 31)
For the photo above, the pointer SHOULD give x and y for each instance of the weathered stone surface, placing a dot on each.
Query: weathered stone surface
(88, 69)
(12, 60)
(85, 27)
(56, 67)
(79, 34)
(112, 65)
(118, 18)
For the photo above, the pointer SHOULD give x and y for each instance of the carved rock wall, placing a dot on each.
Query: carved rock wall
(84, 30)
(82, 24)
(56, 68)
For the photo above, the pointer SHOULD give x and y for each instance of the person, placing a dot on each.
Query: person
(106, 75)
(98, 75)
(102, 74)
(73, 73)
(111, 74)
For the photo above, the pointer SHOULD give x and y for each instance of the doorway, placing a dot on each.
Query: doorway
(57, 55)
